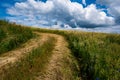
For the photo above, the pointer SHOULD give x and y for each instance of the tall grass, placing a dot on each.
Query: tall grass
(32, 65)
(12, 35)
(98, 54)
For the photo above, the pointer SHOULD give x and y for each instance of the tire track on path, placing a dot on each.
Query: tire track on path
(14, 55)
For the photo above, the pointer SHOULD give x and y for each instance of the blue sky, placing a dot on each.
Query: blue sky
(4, 4)
(88, 15)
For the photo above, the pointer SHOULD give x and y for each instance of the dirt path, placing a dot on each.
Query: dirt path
(61, 64)
(13, 56)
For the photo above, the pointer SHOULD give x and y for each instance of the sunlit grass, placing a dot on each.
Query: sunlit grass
(32, 65)
(98, 54)
(12, 35)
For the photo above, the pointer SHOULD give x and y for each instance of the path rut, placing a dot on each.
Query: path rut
(14, 55)
(61, 64)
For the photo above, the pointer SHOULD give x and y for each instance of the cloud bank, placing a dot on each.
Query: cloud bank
(58, 12)
(113, 8)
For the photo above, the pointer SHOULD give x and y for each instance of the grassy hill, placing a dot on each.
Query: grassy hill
(97, 54)
(12, 35)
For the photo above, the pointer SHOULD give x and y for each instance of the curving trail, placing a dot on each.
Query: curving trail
(60, 65)
(14, 55)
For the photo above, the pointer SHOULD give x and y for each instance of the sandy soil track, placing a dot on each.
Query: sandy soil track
(60, 66)
(14, 55)
(60, 63)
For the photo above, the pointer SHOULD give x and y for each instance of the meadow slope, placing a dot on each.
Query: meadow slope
(61, 65)
(98, 54)
(44, 54)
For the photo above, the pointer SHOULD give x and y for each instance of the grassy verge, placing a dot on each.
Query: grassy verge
(98, 54)
(32, 65)
(12, 35)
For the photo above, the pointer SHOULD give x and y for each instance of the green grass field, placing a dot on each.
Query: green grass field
(30, 65)
(98, 54)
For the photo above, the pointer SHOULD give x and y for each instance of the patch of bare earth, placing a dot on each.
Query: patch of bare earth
(61, 65)
(14, 55)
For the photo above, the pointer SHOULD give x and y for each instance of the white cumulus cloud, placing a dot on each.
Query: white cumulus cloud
(84, 2)
(113, 7)
(37, 13)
